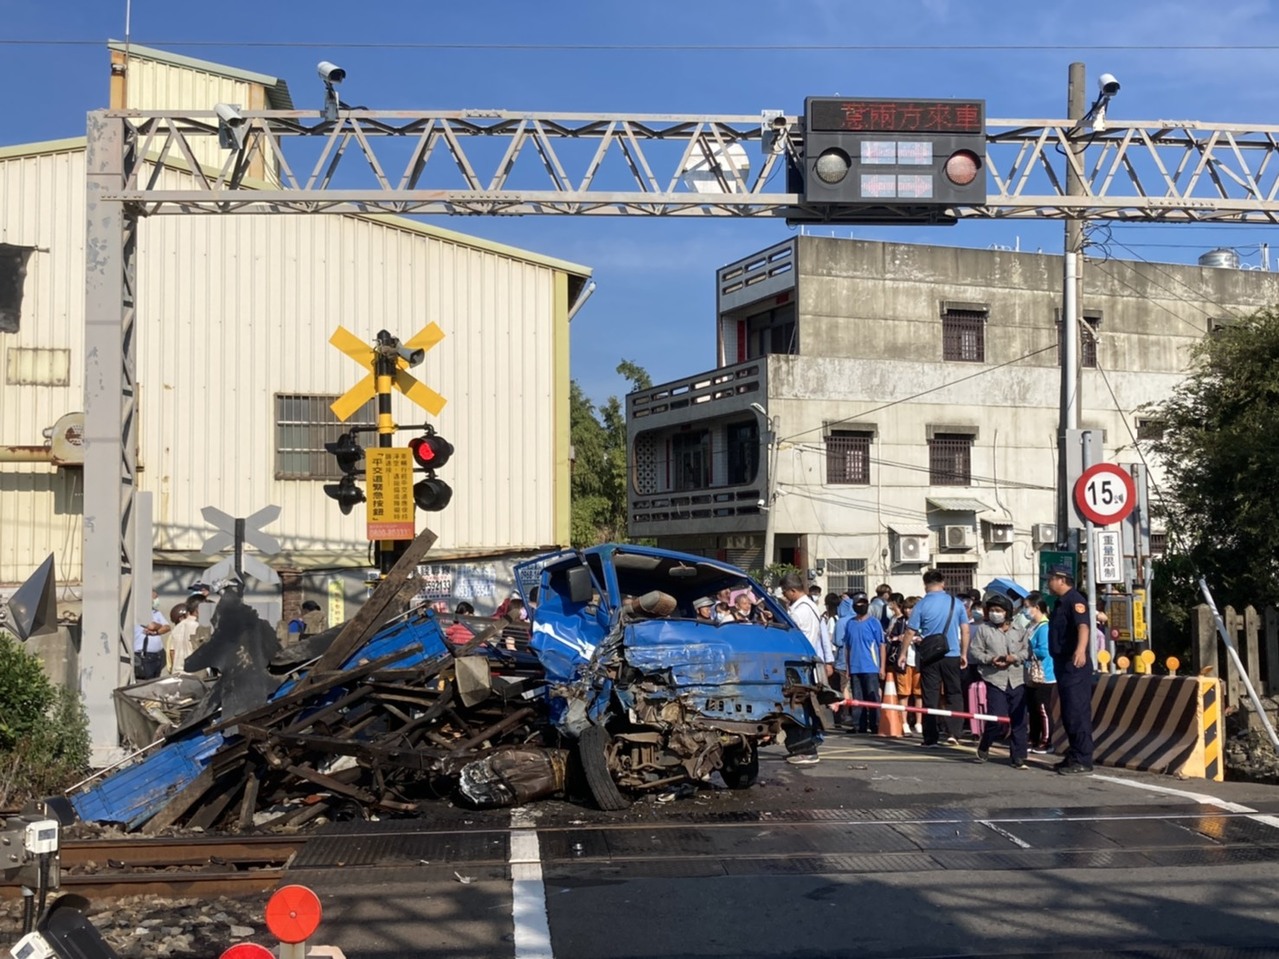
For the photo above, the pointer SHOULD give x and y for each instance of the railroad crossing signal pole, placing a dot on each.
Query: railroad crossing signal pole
(388, 469)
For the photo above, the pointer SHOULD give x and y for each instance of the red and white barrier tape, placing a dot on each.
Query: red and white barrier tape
(984, 717)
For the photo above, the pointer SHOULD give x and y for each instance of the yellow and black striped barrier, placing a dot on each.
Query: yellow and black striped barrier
(1163, 724)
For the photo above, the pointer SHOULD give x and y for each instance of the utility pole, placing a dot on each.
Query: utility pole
(1071, 283)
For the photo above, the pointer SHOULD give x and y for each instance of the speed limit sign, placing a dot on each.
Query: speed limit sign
(1105, 493)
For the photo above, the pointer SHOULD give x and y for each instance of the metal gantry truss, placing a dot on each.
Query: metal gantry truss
(504, 163)
(496, 162)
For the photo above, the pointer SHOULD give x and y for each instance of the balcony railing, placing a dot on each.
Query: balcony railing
(706, 504)
(725, 383)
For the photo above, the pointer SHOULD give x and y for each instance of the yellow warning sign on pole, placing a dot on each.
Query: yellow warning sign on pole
(1139, 615)
(389, 488)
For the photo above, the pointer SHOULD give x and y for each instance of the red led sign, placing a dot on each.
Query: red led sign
(838, 114)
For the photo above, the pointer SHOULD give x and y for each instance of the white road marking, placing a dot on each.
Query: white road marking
(1005, 833)
(1204, 798)
(528, 894)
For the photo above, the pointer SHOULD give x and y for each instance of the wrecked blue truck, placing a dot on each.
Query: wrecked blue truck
(653, 694)
(618, 689)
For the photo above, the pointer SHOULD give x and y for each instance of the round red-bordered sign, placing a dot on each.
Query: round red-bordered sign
(1105, 494)
(293, 913)
(247, 950)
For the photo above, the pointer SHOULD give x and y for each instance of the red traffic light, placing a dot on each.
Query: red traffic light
(431, 451)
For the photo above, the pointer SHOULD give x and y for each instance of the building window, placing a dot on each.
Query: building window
(1088, 340)
(13, 274)
(743, 451)
(303, 424)
(691, 460)
(950, 459)
(845, 575)
(959, 576)
(1150, 429)
(963, 336)
(771, 331)
(848, 457)
(1158, 544)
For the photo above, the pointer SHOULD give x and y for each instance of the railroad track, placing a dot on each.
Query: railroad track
(187, 867)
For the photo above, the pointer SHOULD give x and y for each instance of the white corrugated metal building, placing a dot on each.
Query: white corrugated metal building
(236, 372)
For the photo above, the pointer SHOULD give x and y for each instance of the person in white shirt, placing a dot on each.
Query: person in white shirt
(805, 614)
(148, 643)
(180, 641)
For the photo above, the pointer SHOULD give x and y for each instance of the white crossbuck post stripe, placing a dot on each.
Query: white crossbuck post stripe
(984, 717)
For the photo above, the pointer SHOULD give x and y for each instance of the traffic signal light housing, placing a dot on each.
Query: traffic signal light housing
(877, 160)
(348, 452)
(431, 451)
(346, 493)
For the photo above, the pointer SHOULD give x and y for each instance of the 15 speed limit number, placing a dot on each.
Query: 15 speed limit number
(1105, 493)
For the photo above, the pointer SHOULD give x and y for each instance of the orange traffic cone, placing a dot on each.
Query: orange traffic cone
(890, 720)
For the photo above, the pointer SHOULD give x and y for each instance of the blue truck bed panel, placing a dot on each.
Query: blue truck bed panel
(134, 794)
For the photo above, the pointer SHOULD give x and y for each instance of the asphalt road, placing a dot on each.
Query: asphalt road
(882, 850)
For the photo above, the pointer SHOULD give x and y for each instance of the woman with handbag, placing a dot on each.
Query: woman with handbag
(1040, 679)
(999, 651)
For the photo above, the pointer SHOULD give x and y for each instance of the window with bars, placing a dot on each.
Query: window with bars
(1088, 340)
(844, 575)
(959, 576)
(1158, 543)
(1150, 429)
(303, 424)
(848, 457)
(963, 335)
(950, 459)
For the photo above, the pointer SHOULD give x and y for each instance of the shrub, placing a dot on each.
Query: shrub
(44, 730)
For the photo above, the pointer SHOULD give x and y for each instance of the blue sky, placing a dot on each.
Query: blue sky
(655, 298)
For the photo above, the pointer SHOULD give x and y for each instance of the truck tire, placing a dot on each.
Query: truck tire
(741, 767)
(592, 749)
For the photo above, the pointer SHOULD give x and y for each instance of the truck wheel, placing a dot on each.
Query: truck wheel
(741, 767)
(592, 749)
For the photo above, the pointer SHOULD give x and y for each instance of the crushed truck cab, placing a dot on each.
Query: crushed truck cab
(654, 695)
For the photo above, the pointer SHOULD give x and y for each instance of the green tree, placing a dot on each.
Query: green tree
(1220, 454)
(44, 731)
(599, 482)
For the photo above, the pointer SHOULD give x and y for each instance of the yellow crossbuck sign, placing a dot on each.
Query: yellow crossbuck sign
(346, 405)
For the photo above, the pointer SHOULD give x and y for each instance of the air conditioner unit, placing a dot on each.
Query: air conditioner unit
(1044, 534)
(910, 549)
(999, 534)
(957, 537)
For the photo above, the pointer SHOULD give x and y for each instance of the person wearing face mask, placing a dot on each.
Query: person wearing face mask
(1039, 694)
(999, 650)
(148, 642)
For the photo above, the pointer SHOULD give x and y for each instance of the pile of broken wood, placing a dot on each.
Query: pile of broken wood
(359, 732)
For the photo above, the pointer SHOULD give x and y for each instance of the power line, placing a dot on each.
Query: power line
(1176, 279)
(1094, 265)
(662, 47)
(915, 396)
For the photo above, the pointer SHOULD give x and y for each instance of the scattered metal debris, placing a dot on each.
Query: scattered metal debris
(379, 717)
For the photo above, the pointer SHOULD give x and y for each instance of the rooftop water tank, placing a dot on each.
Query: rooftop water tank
(1222, 257)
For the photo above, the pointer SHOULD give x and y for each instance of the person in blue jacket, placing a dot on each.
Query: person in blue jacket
(1039, 695)
(840, 680)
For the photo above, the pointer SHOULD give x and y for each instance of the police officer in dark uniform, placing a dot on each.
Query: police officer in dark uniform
(1068, 643)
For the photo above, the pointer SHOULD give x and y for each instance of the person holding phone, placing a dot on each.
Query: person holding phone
(998, 650)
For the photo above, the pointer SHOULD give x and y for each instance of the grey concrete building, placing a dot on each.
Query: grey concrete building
(913, 394)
